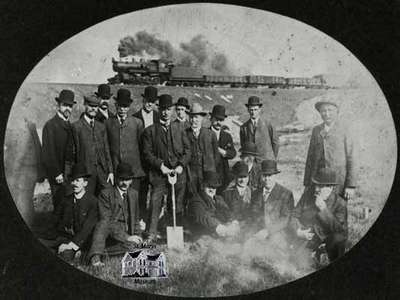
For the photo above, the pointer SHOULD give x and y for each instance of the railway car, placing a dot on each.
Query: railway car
(186, 76)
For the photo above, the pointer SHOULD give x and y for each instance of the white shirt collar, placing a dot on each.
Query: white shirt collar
(250, 167)
(119, 119)
(62, 116)
(87, 119)
(241, 190)
(80, 195)
(255, 122)
(181, 120)
(327, 128)
(196, 131)
(147, 118)
(267, 192)
(217, 132)
(121, 192)
(104, 112)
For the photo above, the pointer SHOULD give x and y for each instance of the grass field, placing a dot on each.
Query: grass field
(217, 268)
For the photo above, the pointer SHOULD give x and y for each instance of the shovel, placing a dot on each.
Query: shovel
(175, 233)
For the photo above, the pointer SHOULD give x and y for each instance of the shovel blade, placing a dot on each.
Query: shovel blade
(175, 237)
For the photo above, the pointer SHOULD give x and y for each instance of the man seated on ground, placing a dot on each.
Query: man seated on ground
(272, 204)
(119, 216)
(209, 213)
(76, 216)
(238, 196)
(320, 219)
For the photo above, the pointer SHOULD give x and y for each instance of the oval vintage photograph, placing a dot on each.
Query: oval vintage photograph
(200, 150)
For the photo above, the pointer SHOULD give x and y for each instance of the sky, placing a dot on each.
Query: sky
(255, 42)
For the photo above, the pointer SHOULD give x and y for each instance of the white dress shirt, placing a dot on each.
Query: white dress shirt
(147, 118)
(217, 132)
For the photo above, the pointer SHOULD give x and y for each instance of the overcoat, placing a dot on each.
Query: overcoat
(240, 206)
(101, 118)
(333, 149)
(157, 150)
(138, 114)
(77, 219)
(124, 142)
(91, 146)
(275, 213)
(225, 142)
(55, 135)
(264, 136)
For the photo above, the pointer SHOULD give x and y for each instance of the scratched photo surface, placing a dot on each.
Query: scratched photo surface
(220, 54)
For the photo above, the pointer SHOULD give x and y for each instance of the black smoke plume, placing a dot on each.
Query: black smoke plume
(197, 53)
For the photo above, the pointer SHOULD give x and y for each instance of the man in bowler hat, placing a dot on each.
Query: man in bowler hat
(226, 148)
(166, 150)
(124, 133)
(104, 94)
(204, 148)
(259, 131)
(119, 217)
(77, 215)
(332, 146)
(55, 135)
(272, 204)
(249, 155)
(208, 212)
(91, 147)
(320, 220)
(182, 108)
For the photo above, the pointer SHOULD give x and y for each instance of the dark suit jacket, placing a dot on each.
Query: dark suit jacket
(138, 114)
(89, 150)
(77, 219)
(121, 218)
(101, 118)
(185, 124)
(277, 210)
(225, 142)
(333, 149)
(55, 135)
(206, 214)
(124, 142)
(240, 206)
(265, 137)
(208, 148)
(156, 150)
(324, 223)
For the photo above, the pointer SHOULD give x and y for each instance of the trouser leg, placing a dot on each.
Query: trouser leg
(57, 194)
(100, 234)
(335, 246)
(143, 192)
(158, 191)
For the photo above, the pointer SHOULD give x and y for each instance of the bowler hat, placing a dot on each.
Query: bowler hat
(325, 176)
(269, 167)
(79, 171)
(249, 148)
(124, 171)
(197, 109)
(165, 101)
(123, 97)
(218, 112)
(253, 101)
(150, 93)
(320, 103)
(91, 100)
(103, 91)
(66, 96)
(240, 169)
(211, 179)
(182, 101)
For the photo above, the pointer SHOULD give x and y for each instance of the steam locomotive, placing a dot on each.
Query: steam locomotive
(155, 71)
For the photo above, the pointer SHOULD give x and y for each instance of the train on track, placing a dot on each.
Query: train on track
(154, 71)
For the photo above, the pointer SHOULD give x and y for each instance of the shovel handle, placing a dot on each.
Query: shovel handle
(173, 203)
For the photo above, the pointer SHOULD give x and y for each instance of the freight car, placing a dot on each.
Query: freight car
(140, 71)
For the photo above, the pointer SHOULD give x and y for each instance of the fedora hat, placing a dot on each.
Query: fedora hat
(211, 179)
(249, 148)
(79, 171)
(165, 101)
(197, 109)
(123, 97)
(182, 101)
(269, 167)
(150, 93)
(218, 112)
(103, 91)
(66, 96)
(325, 176)
(253, 101)
(240, 169)
(91, 100)
(320, 103)
(124, 171)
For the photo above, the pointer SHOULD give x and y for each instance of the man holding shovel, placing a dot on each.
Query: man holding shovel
(166, 150)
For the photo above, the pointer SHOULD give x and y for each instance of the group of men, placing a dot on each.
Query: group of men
(108, 175)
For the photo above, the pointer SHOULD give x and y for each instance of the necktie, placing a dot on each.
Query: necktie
(122, 121)
(92, 123)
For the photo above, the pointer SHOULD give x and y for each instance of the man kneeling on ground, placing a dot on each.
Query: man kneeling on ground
(320, 218)
(119, 216)
(76, 216)
(209, 212)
